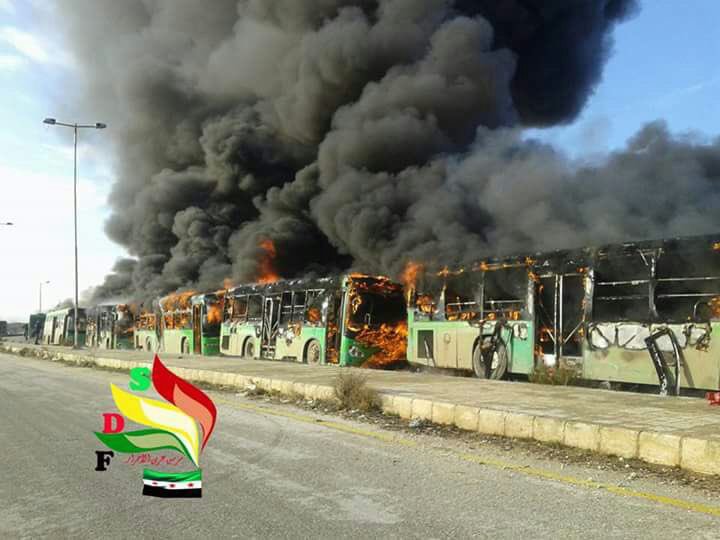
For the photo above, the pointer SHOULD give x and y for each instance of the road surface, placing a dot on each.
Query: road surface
(272, 471)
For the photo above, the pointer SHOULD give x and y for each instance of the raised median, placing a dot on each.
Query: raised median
(670, 431)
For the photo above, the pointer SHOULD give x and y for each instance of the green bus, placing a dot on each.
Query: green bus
(110, 327)
(644, 313)
(190, 323)
(350, 320)
(59, 327)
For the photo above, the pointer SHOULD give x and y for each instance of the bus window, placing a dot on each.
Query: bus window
(505, 293)
(239, 308)
(621, 291)
(212, 318)
(313, 313)
(687, 286)
(286, 307)
(298, 306)
(254, 310)
(374, 309)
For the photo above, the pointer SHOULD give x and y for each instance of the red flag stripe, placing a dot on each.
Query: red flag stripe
(185, 396)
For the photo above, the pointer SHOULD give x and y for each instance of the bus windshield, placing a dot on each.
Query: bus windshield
(373, 309)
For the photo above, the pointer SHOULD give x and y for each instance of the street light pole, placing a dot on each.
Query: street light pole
(75, 127)
(41, 284)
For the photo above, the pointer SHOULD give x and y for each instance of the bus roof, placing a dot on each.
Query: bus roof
(573, 258)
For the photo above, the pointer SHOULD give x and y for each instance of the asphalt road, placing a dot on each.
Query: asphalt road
(276, 474)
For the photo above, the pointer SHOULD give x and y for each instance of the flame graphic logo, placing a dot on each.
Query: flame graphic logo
(172, 426)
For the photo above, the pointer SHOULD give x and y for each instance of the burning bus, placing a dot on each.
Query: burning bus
(110, 327)
(639, 313)
(59, 327)
(190, 323)
(346, 320)
(147, 329)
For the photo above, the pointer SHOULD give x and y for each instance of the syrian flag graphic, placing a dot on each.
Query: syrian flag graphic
(172, 485)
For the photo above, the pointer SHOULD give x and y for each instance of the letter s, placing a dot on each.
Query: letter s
(140, 379)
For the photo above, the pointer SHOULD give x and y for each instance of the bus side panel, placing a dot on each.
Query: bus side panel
(317, 333)
(173, 339)
(521, 347)
(143, 337)
(289, 348)
(447, 337)
(701, 368)
(124, 342)
(237, 335)
(210, 346)
(353, 353)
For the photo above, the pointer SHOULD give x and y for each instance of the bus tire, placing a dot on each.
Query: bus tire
(312, 352)
(499, 359)
(248, 349)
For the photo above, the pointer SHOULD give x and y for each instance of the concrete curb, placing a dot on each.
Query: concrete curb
(697, 455)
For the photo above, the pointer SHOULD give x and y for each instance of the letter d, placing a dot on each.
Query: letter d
(108, 425)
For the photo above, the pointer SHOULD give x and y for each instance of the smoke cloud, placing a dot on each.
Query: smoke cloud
(362, 134)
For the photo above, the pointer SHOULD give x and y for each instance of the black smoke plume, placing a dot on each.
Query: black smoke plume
(363, 134)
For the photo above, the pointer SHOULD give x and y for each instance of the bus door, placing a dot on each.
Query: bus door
(334, 327)
(270, 323)
(197, 316)
(560, 316)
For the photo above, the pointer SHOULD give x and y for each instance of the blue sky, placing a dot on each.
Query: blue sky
(36, 77)
(665, 65)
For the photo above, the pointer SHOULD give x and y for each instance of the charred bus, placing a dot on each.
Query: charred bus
(147, 329)
(190, 323)
(59, 327)
(35, 327)
(110, 327)
(346, 320)
(640, 313)
(176, 323)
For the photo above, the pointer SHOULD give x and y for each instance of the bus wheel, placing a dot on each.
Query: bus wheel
(498, 363)
(312, 352)
(249, 349)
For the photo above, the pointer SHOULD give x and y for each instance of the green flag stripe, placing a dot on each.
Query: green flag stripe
(172, 477)
(145, 440)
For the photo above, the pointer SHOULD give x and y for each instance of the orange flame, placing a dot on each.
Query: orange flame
(409, 278)
(715, 307)
(716, 246)
(146, 321)
(392, 341)
(314, 315)
(425, 303)
(266, 265)
(214, 313)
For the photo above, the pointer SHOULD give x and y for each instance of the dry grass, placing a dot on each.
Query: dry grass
(352, 392)
(556, 376)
